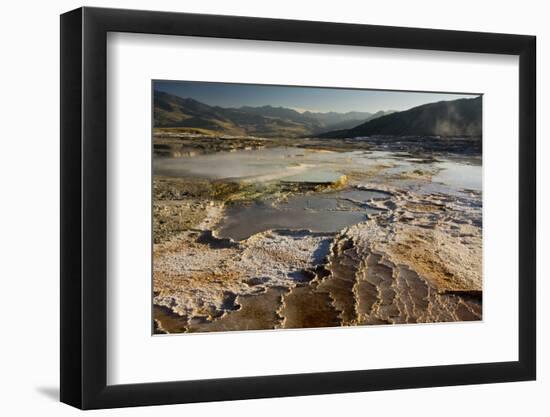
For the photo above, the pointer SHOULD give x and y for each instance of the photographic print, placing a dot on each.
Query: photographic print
(291, 207)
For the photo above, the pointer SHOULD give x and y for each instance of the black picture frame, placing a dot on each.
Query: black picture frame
(84, 207)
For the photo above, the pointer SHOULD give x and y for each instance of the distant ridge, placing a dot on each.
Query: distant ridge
(171, 111)
(460, 117)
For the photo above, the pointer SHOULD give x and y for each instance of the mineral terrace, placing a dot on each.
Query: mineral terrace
(313, 234)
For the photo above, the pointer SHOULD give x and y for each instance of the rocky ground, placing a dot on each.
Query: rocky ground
(417, 260)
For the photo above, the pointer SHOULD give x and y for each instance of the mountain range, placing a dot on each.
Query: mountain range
(460, 117)
(174, 111)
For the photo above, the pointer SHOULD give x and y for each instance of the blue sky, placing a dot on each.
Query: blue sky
(301, 98)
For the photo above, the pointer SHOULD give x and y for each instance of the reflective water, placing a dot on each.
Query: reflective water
(459, 175)
(303, 165)
(269, 164)
(318, 213)
(321, 212)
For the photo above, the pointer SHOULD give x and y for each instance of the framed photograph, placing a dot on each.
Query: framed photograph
(257, 208)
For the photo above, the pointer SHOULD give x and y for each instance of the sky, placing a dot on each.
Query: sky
(301, 98)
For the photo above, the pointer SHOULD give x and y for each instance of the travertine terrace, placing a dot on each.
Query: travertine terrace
(405, 245)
